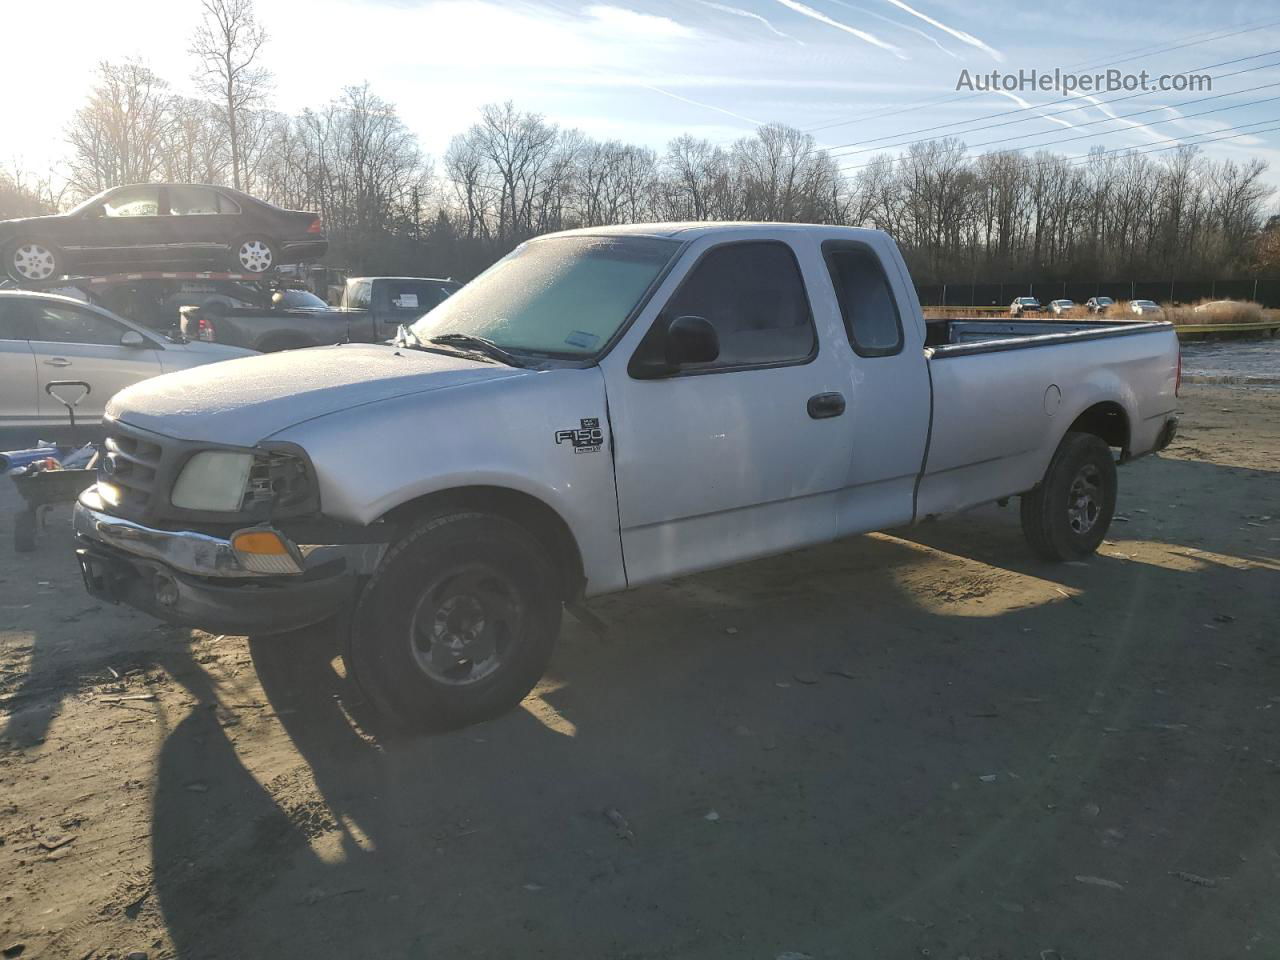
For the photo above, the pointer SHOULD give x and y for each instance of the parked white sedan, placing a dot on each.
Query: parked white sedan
(45, 337)
(1144, 306)
(1059, 307)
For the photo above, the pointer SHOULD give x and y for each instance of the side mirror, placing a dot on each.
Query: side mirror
(687, 340)
(132, 338)
(691, 340)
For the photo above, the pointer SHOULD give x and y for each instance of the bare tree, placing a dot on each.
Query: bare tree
(227, 44)
(119, 135)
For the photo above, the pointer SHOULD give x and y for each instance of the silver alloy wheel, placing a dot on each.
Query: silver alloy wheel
(466, 624)
(1084, 499)
(255, 256)
(34, 261)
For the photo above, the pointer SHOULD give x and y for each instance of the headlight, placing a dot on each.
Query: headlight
(214, 480)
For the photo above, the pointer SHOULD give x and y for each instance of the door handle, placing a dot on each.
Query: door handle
(823, 405)
(58, 362)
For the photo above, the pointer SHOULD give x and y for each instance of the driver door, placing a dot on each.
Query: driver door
(76, 343)
(130, 226)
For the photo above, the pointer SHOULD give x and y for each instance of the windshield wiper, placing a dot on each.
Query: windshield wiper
(405, 337)
(481, 344)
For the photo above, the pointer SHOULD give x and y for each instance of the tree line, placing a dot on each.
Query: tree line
(513, 174)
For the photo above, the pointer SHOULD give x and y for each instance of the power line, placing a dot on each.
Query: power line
(917, 104)
(1045, 116)
(1234, 136)
(1087, 123)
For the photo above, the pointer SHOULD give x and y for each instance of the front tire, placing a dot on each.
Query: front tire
(1067, 516)
(457, 624)
(254, 254)
(28, 259)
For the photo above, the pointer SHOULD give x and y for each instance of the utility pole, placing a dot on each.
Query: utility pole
(417, 219)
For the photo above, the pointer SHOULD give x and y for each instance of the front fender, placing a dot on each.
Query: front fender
(524, 434)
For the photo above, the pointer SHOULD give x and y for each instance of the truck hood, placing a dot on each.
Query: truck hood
(242, 402)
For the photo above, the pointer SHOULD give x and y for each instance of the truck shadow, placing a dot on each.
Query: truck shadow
(795, 749)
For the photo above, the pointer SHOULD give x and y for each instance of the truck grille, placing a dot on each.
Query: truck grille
(132, 465)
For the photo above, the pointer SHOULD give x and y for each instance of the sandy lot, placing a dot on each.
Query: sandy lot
(924, 744)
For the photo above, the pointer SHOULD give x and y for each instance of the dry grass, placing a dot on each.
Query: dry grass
(1216, 311)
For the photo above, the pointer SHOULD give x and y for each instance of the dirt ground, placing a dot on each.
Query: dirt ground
(923, 744)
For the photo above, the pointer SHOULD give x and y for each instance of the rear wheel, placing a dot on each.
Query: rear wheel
(29, 259)
(458, 623)
(253, 255)
(1068, 515)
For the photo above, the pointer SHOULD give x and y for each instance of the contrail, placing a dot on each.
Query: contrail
(699, 103)
(1026, 105)
(1101, 105)
(960, 35)
(862, 35)
(750, 16)
(903, 26)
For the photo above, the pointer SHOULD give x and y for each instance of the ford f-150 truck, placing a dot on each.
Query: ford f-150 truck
(601, 409)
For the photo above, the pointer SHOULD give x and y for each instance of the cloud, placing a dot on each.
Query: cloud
(737, 12)
(960, 35)
(1101, 105)
(862, 35)
(638, 25)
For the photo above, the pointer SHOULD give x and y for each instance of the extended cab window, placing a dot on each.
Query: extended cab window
(870, 312)
(754, 296)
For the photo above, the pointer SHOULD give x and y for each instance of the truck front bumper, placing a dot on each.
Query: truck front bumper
(196, 580)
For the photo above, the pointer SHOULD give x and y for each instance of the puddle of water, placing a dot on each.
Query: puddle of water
(1231, 358)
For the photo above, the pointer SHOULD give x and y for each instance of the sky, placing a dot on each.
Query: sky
(860, 75)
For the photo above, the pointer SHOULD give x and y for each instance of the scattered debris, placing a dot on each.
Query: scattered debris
(1121, 518)
(198, 786)
(845, 672)
(711, 815)
(988, 777)
(533, 887)
(1195, 878)
(54, 842)
(1099, 882)
(14, 949)
(1223, 618)
(1090, 811)
(731, 631)
(620, 824)
(808, 679)
(132, 696)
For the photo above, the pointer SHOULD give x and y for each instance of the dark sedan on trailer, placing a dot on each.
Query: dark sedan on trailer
(161, 224)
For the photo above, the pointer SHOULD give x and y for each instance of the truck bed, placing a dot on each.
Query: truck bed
(960, 336)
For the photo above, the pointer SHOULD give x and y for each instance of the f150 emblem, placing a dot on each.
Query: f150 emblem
(586, 439)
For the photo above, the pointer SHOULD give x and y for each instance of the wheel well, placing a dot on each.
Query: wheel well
(1106, 420)
(541, 520)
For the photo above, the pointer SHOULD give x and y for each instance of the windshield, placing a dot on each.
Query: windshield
(564, 296)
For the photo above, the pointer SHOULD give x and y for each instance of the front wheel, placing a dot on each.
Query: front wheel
(458, 623)
(253, 255)
(1067, 516)
(29, 259)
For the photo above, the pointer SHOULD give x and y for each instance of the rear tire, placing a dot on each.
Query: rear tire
(457, 624)
(254, 254)
(1067, 516)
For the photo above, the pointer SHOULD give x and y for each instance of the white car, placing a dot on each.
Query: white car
(1059, 307)
(1144, 306)
(46, 337)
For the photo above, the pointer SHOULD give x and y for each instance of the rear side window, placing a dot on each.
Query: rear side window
(870, 312)
(753, 294)
(359, 295)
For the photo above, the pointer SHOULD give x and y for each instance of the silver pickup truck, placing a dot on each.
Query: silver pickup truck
(601, 409)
